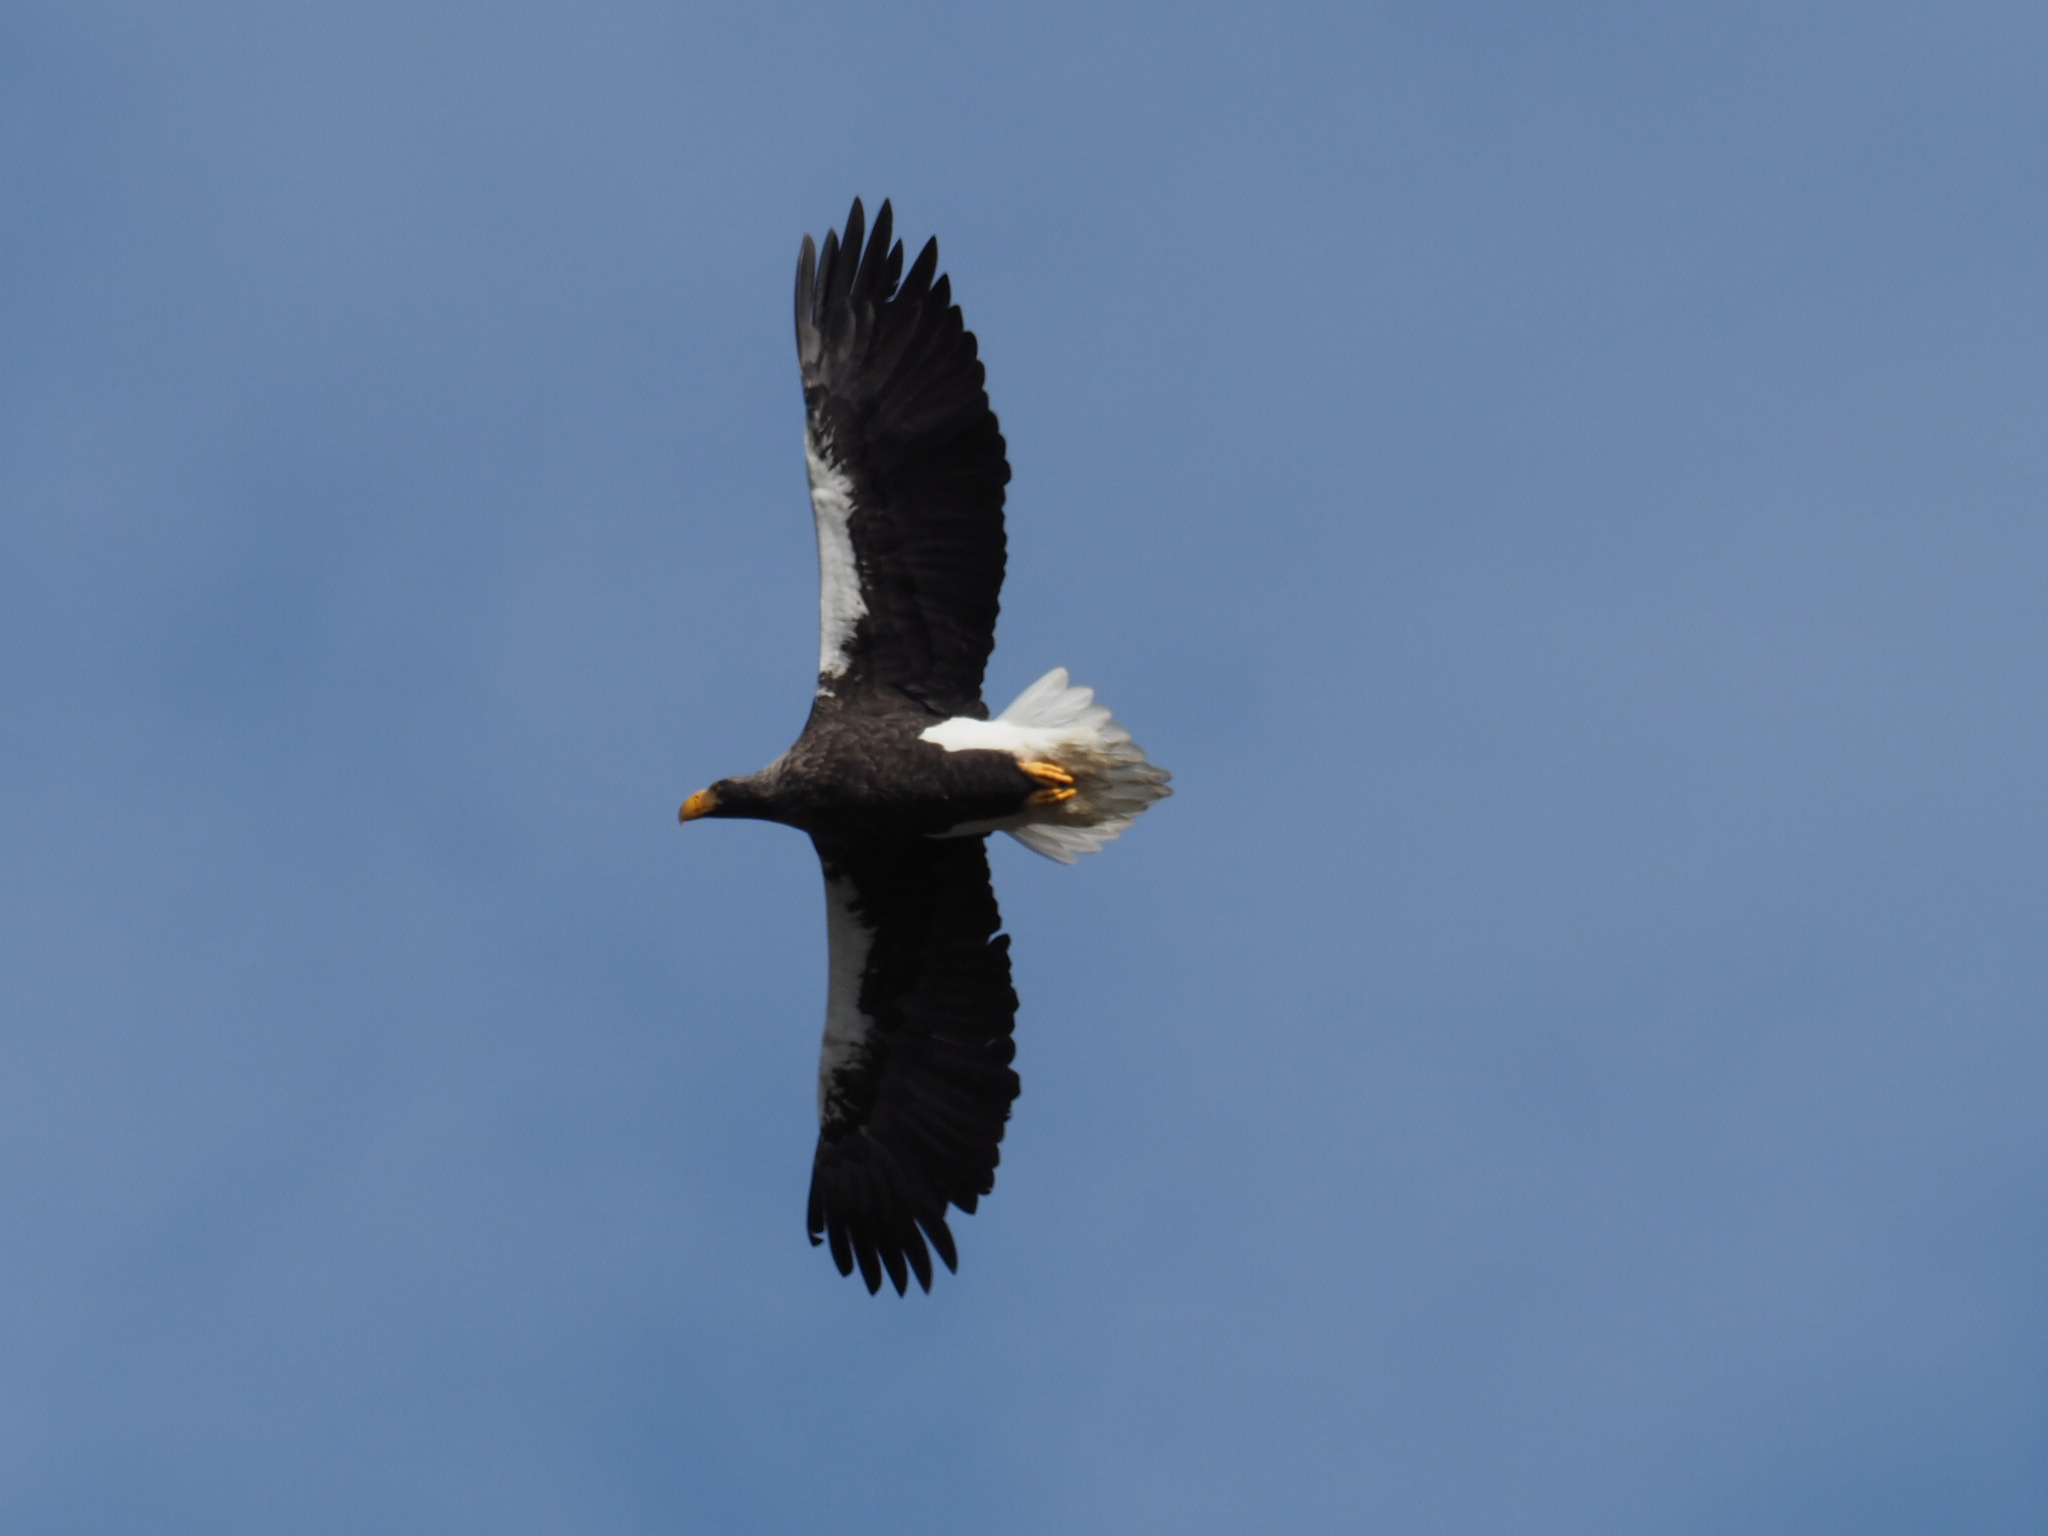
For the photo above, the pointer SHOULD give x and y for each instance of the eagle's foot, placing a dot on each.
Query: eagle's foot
(1050, 796)
(1049, 774)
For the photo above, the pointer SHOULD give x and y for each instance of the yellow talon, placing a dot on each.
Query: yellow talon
(1050, 796)
(1048, 773)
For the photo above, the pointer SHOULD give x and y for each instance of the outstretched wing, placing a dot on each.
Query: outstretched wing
(914, 1082)
(907, 473)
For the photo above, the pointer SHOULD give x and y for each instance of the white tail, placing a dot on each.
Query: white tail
(1053, 721)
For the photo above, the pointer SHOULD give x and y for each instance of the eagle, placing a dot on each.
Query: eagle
(900, 775)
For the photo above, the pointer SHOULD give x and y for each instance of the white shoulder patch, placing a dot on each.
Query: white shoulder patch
(847, 943)
(961, 734)
(840, 603)
(1043, 716)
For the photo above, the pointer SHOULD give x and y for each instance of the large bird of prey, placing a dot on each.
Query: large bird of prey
(900, 775)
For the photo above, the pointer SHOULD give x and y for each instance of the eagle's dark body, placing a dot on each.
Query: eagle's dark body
(863, 775)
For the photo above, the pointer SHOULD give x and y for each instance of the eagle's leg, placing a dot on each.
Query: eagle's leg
(1059, 784)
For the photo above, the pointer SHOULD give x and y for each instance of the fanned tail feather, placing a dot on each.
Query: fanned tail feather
(1113, 782)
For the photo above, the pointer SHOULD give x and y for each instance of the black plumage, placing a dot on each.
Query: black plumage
(912, 1121)
(908, 473)
(893, 388)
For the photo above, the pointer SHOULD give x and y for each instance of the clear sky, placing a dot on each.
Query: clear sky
(1564, 487)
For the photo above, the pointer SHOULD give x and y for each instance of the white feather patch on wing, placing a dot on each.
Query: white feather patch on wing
(1054, 722)
(841, 605)
(848, 941)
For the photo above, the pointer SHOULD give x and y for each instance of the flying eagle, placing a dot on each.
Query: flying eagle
(900, 775)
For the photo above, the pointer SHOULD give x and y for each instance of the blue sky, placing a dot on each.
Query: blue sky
(1562, 487)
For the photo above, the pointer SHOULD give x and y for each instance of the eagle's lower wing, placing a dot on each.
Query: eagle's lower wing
(907, 473)
(914, 1082)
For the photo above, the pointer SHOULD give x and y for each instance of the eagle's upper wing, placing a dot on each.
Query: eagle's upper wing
(914, 1082)
(907, 473)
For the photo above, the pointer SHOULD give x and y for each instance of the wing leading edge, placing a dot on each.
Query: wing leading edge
(907, 471)
(914, 1080)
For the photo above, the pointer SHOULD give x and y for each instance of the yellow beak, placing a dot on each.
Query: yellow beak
(702, 803)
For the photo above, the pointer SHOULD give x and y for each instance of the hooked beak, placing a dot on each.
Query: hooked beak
(702, 803)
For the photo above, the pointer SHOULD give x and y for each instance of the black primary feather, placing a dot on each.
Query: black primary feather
(895, 395)
(915, 1121)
